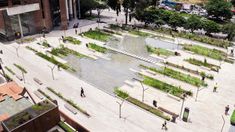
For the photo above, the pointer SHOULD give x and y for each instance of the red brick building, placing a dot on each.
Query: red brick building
(31, 16)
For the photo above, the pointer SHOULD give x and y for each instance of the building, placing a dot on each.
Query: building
(12, 101)
(24, 17)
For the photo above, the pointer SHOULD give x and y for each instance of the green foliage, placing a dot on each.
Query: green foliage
(204, 39)
(44, 94)
(178, 75)
(176, 20)
(212, 53)
(120, 93)
(64, 51)
(203, 63)
(232, 118)
(139, 33)
(20, 68)
(46, 44)
(211, 27)
(177, 91)
(29, 48)
(68, 101)
(72, 40)
(220, 9)
(229, 29)
(97, 48)
(97, 35)
(209, 76)
(159, 51)
(140, 104)
(193, 23)
(8, 69)
(65, 127)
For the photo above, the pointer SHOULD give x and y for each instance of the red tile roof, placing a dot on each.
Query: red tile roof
(12, 90)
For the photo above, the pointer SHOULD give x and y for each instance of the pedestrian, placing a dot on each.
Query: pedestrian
(215, 87)
(58, 66)
(154, 103)
(203, 78)
(164, 125)
(226, 110)
(82, 93)
(232, 52)
(76, 31)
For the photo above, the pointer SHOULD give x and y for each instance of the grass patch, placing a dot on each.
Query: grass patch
(125, 95)
(212, 53)
(203, 63)
(51, 59)
(46, 95)
(8, 69)
(65, 127)
(97, 35)
(46, 44)
(64, 51)
(176, 91)
(97, 48)
(72, 40)
(159, 51)
(20, 68)
(139, 33)
(232, 118)
(209, 76)
(179, 76)
(68, 101)
(195, 37)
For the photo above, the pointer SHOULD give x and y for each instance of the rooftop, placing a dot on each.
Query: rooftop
(12, 90)
(28, 114)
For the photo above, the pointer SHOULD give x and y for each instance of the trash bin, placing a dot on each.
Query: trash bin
(173, 118)
(186, 114)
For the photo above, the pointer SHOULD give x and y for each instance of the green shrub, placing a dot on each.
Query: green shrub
(68, 101)
(97, 48)
(20, 68)
(203, 63)
(140, 104)
(232, 119)
(8, 69)
(97, 35)
(44, 94)
(159, 51)
(178, 75)
(46, 44)
(65, 127)
(121, 93)
(29, 48)
(176, 91)
(212, 53)
(72, 40)
(139, 33)
(64, 51)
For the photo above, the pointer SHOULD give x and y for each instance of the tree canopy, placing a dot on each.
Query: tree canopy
(219, 9)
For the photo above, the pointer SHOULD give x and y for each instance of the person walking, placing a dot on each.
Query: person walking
(82, 93)
(226, 110)
(215, 87)
(164, 127)
(76, 31)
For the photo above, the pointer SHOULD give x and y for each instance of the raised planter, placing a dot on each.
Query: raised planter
(232, 119)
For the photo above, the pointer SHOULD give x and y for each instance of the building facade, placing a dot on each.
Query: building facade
(25, 17)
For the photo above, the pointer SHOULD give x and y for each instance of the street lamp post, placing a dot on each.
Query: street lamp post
(143, 89)
(17, 50)
(198, 89)
(52, 71)
(223, 123)
(120, 107)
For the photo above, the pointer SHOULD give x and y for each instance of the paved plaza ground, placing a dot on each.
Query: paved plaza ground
(206, 114)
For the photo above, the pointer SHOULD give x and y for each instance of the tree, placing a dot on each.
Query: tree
(127, 5)
(193, 23)
(87, 5)
(115, 5)
(233, 2)
(210, 27)
(229, 29)
(100, 6)
(176, 20)
(219, 9)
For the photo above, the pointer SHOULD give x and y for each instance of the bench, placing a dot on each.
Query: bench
(70, 108)
(19, 77)
(174, 116)
(37, 81)
(39, 95)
